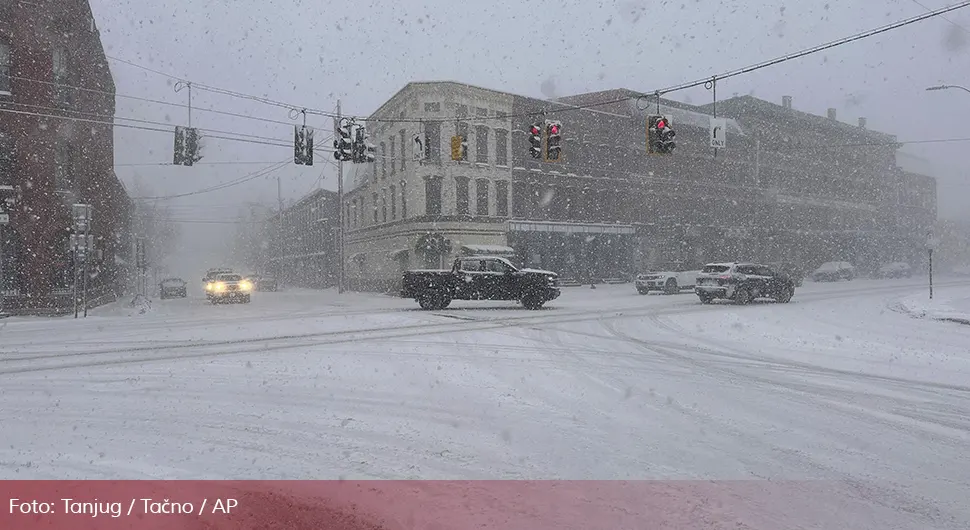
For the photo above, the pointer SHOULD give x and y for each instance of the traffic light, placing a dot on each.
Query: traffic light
(553, 138)
(303, 145)
(187, 146)
(667, 135)
(660, 136)
(342, 142)
(535, 139)
(368, 151)
(459, 148)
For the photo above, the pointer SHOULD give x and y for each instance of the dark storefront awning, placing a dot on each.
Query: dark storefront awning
(490, 250)
(570, 228)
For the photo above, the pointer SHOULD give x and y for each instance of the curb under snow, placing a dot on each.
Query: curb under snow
(934, 310)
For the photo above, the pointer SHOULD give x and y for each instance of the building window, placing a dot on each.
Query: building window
(481, 112)
(502, 198)
(481, 197)
(6, 58)
(461, 195)
(432, 195)
(6, 159)
(432, 107)
(404, 156)
(432, 141)
(63, 170)
(393, 155)
(374, 199)
(383, 160)
(61, 69)
(393, 202)
(463, 132)
(501, 147)
(404, 201)
(384, 205)
(481, 144)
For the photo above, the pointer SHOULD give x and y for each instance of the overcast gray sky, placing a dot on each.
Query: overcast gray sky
(310, 53)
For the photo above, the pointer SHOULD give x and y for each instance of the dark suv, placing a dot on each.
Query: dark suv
(742, 283)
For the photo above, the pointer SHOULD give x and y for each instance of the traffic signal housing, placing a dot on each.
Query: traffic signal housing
(535, 140)
(343, 143)
(303, 145)
(553, 141)
(660, 136)
(187, 149)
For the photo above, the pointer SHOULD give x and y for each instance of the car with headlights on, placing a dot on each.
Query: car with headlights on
(230, 288)
(209, 280)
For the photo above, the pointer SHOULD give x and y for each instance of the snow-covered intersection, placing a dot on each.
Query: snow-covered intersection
(840, 384)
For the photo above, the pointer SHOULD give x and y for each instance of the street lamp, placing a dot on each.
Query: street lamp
(945, 87)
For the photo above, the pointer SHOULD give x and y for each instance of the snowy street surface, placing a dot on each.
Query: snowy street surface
(846, 383)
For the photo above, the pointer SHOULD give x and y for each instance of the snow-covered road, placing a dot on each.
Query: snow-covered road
(604, 384)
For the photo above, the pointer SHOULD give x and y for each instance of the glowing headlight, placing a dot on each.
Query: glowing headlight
(220, 286)
(208, 287)
(246, 286)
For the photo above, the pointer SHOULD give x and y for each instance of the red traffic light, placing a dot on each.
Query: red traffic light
(661, 124)
(534, 130)
(554, 129)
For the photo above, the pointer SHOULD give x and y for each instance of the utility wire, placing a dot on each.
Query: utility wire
(924, 6)
(150, 100)
(251, 176)
(683, 86)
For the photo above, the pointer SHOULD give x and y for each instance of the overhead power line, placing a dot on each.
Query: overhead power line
(924, 6)
(682, 86)
(251, 176)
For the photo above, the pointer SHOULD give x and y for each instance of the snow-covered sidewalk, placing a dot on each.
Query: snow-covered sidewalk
(952, 305)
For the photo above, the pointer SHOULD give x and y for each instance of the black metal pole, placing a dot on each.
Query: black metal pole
(74, 273)
(931, 274)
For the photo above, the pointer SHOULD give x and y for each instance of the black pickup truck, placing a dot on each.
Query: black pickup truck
(480, 278)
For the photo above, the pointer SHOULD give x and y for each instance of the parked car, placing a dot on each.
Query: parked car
(667, 281)
(264, 283)
(172, 288)
(231, 288)
(796, 272)
(834, 271)
(743, 283)
(898, 269)
(480, 278)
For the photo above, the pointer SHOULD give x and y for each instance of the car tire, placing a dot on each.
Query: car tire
(671, 287)
(643, 291)
(246, 299)
(785, 296)
(705, 299)
(532, 302)
(743, 297)
(434, 301)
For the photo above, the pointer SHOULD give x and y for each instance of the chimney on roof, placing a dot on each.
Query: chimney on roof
(786, 102)
(831, 113)
(862, 122)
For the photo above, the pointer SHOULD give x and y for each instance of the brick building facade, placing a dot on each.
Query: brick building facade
(56, 149)
(308, 242)
(790, 186)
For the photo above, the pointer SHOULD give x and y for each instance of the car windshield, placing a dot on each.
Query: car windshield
(519, 246)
